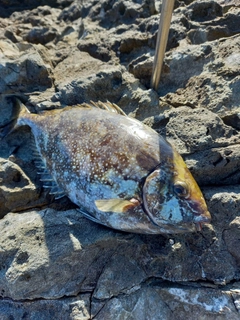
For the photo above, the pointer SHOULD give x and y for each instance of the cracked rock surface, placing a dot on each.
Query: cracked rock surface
(54, 263)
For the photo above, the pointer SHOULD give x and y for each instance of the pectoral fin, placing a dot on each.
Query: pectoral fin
(116, 205)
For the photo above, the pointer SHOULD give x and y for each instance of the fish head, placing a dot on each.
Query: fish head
(171, 197)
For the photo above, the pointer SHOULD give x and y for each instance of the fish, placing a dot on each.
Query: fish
(118, 171)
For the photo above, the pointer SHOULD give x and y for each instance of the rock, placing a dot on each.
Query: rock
(201, 54)
(218, 166)
(196, 129)
(220, 28)
(204, 10)
(112, 282)
(91, 87)
(209, 147)
(17, 192)
(84, 68)
(53, 262)
(223, 202)
(21, 69)
(157, 301)
(231, 237)
(40, 35)
(67, 254)
(232, 120)
(161, 302)
(72, 12)
(11, 8)
(87, 246)
(74, 308)
(143, 303)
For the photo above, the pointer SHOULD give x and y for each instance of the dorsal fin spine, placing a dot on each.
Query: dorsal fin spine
(111, 107)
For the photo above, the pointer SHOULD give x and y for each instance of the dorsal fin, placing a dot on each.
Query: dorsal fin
(111, 107)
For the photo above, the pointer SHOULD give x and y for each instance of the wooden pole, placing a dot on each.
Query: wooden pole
(162, 37)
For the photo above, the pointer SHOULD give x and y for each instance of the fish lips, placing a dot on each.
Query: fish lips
(200, 212)
(202, 219)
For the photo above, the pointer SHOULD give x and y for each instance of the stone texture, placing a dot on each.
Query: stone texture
(23, 68)
(16, 183)
(161, 302)
(41, 256)
(213, 82)
(53, 262)
(74, 308)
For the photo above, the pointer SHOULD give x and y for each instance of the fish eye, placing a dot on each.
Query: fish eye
(181, 189)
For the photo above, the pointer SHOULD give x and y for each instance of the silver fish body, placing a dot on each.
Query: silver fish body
(120, 172)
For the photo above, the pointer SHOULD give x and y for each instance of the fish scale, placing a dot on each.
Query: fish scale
(119, 172)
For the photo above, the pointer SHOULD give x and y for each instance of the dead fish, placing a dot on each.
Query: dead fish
(119, 172)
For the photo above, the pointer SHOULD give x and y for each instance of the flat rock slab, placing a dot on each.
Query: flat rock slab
(49, 254)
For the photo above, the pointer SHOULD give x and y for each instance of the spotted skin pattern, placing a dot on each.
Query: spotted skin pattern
(120, 172)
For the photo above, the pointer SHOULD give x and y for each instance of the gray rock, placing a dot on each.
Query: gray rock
(231, 237)
(197, 129)
(85, 256)
(218, 166)
(214, 86)
(53, 262)
(14, 184)
(52, 254)
(72, 12)
(23, 68)
(204, 10)
(209, 147)
(41, 35)
(161, 302)
(233, 120)
(72, 308)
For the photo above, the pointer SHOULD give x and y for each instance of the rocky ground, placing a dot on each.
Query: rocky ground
(55, 264)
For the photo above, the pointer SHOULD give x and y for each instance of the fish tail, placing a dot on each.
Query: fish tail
(19, 110)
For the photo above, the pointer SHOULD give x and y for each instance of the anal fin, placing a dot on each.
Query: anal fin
(90, 217)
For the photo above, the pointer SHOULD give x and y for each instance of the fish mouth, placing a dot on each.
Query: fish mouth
(198, 226)
(202, 219)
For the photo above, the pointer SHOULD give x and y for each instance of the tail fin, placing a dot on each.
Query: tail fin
(18, 111)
